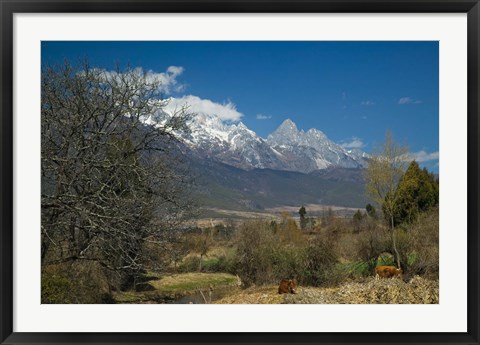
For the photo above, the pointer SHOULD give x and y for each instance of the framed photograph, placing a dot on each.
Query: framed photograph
(239, 172)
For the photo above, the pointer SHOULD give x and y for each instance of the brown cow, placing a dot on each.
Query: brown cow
(287, 286)
(387, 272)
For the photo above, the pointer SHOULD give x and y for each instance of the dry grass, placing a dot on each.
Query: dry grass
(390, 291)
(371, 291)
(254, 295)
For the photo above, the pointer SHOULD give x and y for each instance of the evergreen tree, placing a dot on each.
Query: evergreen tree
(358, 216)
(371, 211)
(357, 220)
(417, 191)
(303, 220)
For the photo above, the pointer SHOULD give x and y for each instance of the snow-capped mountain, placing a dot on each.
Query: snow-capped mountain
(286, 148)
(313, 147)
(232, 144)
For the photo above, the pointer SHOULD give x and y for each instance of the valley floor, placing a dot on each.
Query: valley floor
(212, 215)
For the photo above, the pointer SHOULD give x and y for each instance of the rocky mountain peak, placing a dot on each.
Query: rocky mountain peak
(287, 148)
(288, 123)
(284, 134)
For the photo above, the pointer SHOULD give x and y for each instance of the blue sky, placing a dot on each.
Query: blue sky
(352, 91)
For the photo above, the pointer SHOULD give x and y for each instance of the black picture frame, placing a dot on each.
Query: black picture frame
(9, 8)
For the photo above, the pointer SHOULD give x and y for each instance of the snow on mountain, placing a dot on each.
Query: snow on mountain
(288, 139)
(232, 144)
(286, 148)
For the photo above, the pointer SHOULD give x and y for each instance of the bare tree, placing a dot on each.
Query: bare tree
(382, 175)
(111, 173)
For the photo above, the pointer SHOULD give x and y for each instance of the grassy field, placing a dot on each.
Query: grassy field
(169, 288)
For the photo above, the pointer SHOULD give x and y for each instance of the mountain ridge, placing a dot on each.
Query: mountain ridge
(233, 168)
(287, 148)
(225, 186)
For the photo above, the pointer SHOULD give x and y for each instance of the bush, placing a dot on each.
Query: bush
(77, 282)
(255, 250)
(263, 257)
(372, 241)
(229, 263)
(212, 265)
(425, 238)
(190, 264)
(288, 232)
(56, 289)
(320, 265)
(405, 247)
(286, 262)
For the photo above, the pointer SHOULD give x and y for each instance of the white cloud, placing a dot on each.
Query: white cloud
(408, 100)
(167, 80)
(170, 78)
(367, 103)
(405, 100)
(175, 70)
(354, 143)
(226, 111)
(422, 156)
(263, 117)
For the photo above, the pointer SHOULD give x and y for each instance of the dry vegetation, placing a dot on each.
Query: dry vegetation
(333, 263)
(385, 291)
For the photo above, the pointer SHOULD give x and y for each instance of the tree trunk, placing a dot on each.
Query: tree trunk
(395, 243)
(44, 248)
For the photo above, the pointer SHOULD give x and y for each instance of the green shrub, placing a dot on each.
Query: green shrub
(264, 258)
(211, 265)
(77, 282)
(56, 289)
(287, 262)
(190, 264)
(229, 263)
(425, 238)
(320, 265)
(355, 269)
(256, 246)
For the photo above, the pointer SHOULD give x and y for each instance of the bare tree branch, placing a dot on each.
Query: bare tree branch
(108, 182)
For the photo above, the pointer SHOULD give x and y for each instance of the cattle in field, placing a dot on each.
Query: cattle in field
(387, 272)
(287, 286)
